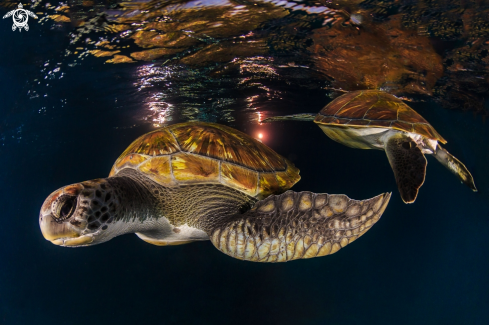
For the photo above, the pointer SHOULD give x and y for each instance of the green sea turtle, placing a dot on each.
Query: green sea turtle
(373, 119)
(197, 181)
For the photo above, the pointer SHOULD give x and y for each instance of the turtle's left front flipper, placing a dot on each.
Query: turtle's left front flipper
(408, 164)
(296, 225)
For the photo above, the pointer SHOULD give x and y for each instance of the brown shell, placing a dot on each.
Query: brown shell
(375, 108)
(198, 152)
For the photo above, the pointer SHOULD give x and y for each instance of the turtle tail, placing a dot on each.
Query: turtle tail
(455, 166)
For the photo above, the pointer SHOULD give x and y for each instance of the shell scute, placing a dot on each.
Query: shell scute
(361, 122)
(131, 160)
(288, 178)
(328, 120)
(332, 108)
(158, 169)
(407, 114)
(268, 184)
(354, 111)
(424, 129)
(381, 123)
(240, 178)
(343, 121)
(355, 108)
(382, 111)
(159, 142)
(194, 168)
(403, 126)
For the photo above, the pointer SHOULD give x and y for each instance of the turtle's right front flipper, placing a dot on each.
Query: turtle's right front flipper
(296, 225)
(455, 166)
(307, 117)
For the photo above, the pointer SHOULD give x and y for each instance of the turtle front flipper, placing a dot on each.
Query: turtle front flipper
(296, 225)
(455, 166)
(408, 163)
(307, 117)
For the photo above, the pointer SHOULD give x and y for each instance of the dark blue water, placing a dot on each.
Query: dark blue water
(424, 263)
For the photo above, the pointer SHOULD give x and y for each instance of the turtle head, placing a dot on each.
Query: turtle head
(20, 5)
(80, 214)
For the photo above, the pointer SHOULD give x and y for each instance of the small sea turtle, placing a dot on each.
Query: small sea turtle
(373, 119)
(197, 181)
(20, 17)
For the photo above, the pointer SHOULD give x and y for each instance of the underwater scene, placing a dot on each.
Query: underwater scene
(207, 162)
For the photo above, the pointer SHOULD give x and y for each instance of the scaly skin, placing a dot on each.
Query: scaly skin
(132, 203)
(296, 225)
(278, 229)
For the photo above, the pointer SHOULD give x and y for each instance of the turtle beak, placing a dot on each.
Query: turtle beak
(57, 233)
(63, 233)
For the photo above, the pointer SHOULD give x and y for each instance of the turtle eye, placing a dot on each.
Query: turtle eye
(64, 207)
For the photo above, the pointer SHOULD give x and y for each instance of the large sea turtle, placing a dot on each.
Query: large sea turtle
(373, 119)
(197, 181)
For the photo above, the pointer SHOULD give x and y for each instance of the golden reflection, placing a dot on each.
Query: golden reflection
(256, 65)
(342, 46)
(159, 109)
(120, 59)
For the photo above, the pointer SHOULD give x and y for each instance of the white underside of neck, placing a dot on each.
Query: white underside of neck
(157, 231)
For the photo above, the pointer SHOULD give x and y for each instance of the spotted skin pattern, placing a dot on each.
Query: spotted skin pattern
(101, 202)
(98, 206)
(297, 225)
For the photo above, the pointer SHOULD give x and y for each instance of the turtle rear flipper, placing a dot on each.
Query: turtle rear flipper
(307, 117)
(296, 225)
(408, 163)
(455, 166)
